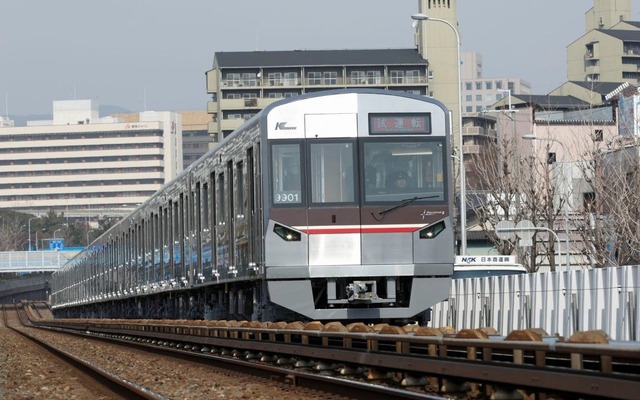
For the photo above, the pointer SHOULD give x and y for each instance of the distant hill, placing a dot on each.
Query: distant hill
(104, 111)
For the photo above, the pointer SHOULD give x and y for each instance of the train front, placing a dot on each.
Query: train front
(359, 206)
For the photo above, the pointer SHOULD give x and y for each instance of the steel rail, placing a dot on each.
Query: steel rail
(106, 379)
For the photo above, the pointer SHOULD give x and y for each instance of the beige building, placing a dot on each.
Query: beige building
(609, 51)
(438, 43)
(195, 137)
(243, 83)
(82, 165)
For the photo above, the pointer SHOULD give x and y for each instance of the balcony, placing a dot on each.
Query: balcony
(245, 104)
(212, 128)
(212, 107)
(374, 81)
(231, 124)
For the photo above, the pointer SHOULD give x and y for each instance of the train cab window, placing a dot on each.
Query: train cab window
(331, 172)
(395, 170)
(286, 174)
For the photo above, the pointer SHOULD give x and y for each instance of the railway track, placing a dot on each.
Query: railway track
(272, 381)
(97, 380)
(410, 361)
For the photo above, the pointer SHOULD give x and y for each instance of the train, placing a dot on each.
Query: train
(330, 206)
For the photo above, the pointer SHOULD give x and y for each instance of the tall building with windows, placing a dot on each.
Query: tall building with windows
(195, 137)
(243, 83)
(83, 165)
(478, 92)
(437, 43)
(609, 51)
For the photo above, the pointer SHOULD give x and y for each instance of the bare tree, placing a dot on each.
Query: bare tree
(12, 232)
(609, 226)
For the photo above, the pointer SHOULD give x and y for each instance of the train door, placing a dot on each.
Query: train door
(334, 218)
(254, 196)
(240, 224)
(223, 251)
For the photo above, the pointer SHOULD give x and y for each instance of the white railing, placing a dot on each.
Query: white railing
(561, 303)
(33, 261)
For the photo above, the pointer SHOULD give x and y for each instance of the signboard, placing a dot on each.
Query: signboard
(628, 111)
(56, 244)
(484, 260)
(386, 124)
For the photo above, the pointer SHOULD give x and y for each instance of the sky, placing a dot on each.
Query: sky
(153, 54)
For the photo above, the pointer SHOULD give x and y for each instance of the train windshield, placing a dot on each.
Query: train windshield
(395, 170)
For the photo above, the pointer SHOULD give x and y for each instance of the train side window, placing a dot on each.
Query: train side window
(240, 190)
(286, 174)
(332, 172)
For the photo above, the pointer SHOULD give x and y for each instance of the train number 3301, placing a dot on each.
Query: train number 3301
(285, 197)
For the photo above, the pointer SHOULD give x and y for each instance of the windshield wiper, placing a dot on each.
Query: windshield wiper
(403, 203)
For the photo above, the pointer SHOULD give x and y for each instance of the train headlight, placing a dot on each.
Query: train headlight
(432, 231)
(286, 233)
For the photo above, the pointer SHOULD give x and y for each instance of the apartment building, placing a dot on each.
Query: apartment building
(609, 51)
(84, 165)
(243, 83)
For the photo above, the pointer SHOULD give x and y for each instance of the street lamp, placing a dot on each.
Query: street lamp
(565, 152)
(29, 228)
(43, 230)
(55, 232)
(463, 194)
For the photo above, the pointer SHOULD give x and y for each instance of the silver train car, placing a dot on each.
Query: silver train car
(334, 205)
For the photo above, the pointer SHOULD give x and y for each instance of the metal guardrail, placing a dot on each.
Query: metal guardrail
(559, 302)
(34, 261)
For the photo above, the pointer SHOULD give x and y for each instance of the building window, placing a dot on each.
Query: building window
(551, 158)
(330, 77)
(510, 86)
(469, 109)
(373, 77)
(413, 76)
(233, 79)
(478, 97)
(598, 136)
(469, 97)
(479, 108)
(274, 78)
(468, 86)
(396, 76)
(498, 85)
(358, 78)
(249, 79)
(488, 85)
(589, 201)
(291, 79)
(315, 78)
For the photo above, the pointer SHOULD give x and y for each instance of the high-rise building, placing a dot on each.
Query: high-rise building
(478, 92)
(438, 44)
(609, 51)
(83, 165)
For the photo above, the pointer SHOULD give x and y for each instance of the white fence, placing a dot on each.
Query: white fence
(561, 303)
(33, 261)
